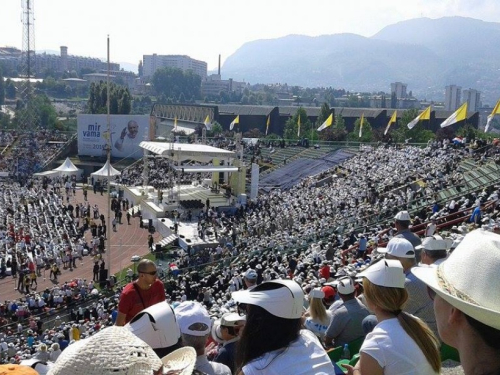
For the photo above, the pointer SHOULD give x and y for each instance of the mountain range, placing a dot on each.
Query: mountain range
(427, 54)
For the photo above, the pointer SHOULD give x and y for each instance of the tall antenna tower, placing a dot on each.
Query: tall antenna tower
(28, 118)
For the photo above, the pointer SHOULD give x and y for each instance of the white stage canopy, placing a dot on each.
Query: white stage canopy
(187, 151)
(205, 168)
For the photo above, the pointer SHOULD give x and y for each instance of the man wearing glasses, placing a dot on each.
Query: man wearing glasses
(142, 293)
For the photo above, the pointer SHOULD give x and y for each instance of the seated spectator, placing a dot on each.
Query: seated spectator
(400, 343)
(346, 323)
(272, 341)
(317, 318)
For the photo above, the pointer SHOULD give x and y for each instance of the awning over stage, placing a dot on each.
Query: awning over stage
(187, 151)
(206, 168)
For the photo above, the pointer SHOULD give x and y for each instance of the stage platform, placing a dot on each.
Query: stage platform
(160, 215)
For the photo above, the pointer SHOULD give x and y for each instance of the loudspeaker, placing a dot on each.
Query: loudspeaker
(150, 223)
(158, 247)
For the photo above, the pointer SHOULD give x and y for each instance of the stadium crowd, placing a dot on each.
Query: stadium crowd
(318, 236)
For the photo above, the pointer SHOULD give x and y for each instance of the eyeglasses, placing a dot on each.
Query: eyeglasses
(152, 273)
(431, 293)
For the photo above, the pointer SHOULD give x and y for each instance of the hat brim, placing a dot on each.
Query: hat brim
(278, 302)
(381, 250)
(487, 316)
(182, 359)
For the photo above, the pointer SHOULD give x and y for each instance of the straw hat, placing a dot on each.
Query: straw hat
(128, 355)
(468, 278)
(183, 360)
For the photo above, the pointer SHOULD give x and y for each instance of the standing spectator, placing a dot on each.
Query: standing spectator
(140, 294)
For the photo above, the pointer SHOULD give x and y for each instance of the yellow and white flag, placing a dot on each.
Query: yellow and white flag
(459, 115)
(328, 122)
(495, 111)
(268, 122)
(391, 121)
(425, 115)
(361, 125)
(207, 123)
(298, 131)
(234, 122)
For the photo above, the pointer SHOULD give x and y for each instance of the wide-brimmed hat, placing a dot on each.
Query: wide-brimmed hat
(285, 302)
(111, 351)
(468, 279)
(183, 360)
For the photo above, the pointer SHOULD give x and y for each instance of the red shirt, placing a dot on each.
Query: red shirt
(325, 272)
(130, 302)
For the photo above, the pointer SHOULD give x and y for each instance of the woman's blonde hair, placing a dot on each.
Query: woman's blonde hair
(392, 300)
(317, 311)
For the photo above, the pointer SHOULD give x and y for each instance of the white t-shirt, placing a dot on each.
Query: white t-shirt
(317, 327)
(304, 356)
(395, 351)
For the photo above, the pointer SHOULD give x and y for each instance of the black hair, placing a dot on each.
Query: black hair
(436, 254)
(489, 335)
(265, 332)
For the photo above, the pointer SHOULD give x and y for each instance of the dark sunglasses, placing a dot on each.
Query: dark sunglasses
(152, 273)
(431, 293)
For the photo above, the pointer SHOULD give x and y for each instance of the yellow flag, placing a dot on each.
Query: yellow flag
(459, 115)
(207, 123)
(361, 125)
(175, 123)
(234, 122)
(298, 131)
(495, 111)
(425, 115)
(328, 122)
(268, 122)
(391, 121)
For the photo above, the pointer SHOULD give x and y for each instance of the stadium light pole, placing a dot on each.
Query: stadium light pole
(108, 228)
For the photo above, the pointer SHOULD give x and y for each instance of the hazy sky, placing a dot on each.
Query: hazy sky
(204, 28)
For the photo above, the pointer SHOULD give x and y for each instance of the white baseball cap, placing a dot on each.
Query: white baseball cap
(317, 293)
(189, 313)
(433, 243)
(232, 320)
(403, 216)
(387, 272)
(398, 247)
(281, 298)
(345, 285)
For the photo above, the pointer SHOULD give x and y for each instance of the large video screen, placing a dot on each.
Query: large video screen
(127, 131)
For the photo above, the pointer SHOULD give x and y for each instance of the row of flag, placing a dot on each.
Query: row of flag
(459, 115)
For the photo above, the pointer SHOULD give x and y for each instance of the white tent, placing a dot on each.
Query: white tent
(65, 169)
(106, 170)
(67, 166)
(49, 174)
